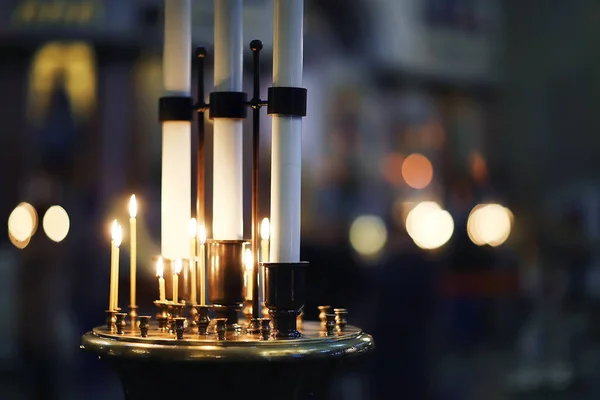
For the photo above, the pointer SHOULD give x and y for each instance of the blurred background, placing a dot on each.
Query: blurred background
(451, 196)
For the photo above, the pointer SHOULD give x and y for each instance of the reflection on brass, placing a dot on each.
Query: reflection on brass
(202, 319)
(133, 316)
(220, 328)
(163, 347)
(162, 316)
(179, 327)
(265, 328)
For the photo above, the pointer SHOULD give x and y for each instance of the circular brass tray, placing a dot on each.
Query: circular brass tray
(159, 345)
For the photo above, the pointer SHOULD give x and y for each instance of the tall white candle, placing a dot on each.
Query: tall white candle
(176, 151)
(286, 153)
(248, 275)
(160, 270)
(132, 249)
(202, 264)
(228, 139)
(193, 279)
(265, 230)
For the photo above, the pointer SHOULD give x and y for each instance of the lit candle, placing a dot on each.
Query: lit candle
(133, 248)
(117, 236)
(202, 265)
(176, 145)
(193, 278)
(228, 135)
(160, 271)
(286, 150)
(176, 272)
(248, 264)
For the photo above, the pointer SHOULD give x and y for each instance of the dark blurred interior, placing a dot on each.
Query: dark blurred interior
(451, 193)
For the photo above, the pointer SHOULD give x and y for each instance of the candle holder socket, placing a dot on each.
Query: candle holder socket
(226, 265)
(330, 324)
(220, 328)
(144, 325)
(323, 311)
(341, 318)
(111, 320)
(202, 319)
(285, 295)
(179, 327)
(265, 328)
(162, 316)
(133, 316)
(120, 322)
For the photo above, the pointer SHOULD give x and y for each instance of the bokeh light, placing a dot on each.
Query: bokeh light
(429, 226)
(22, 222)
(489, 224)
(417, 171)
(368, 235)
(56, 223)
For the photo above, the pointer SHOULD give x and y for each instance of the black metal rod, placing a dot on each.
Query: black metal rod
(200, 178)
(256, 47)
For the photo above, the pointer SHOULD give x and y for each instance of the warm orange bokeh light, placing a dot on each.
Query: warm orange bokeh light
(417, 171)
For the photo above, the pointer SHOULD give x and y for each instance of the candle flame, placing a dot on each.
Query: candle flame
(193, 227)
(202, 234)
(117, 233)
(248, 260)
(178, 266)
(160, 267)
(132, 206)
(265, 229)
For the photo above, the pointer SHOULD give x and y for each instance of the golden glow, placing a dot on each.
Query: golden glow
(178, 266)
(193, 227)
(202, 234)
(429, 226)
(56, 223)
(248, 260)
(265, 229)
(70, 64)
(489, 224)
(22, 222)
(368, 235)
(417, 171)
(116, 233)
(58, 12)
(160, 267)
(133, 206)
(19, 244)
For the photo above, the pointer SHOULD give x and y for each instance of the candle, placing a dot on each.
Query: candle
(133, 249)
(264, 243)
(202, 265)
(264, 255)
(228, 135)
(248, 264)
(176, 271)
(193, 228)
(160, 270)
(117, 236)
(286, 152)
(176, 145)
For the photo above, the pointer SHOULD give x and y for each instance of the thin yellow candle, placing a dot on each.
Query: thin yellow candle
(160, 271)
(133, 249)
(193, 229)
(176, 271)
(201, 264)
(117, 236)
(249, 268)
